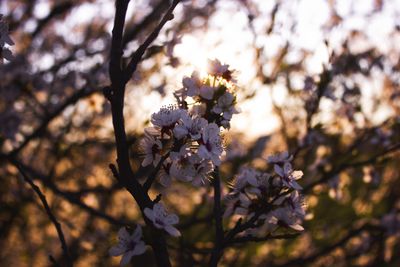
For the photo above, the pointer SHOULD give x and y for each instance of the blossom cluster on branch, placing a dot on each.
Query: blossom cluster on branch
(269, 200)
(185, 143)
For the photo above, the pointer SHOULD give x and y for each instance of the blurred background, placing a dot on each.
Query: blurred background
(317, 78)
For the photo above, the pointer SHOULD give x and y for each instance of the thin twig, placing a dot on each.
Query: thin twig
(137, 56)
(49, 213)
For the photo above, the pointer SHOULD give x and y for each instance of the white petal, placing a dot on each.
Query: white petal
(147, 160)
(207, 92)
(140, 248)
(126, 258)
(297, 227)
(180, 131)
(279, 170)
(244, 200)
(296, 186)
(158, 210)
(203, 152)
(287, 168)
(172, 231)
(117, 250)
(216, 160)
(138, 233)
(171, 219)
(297, 175)
(123, 234)
(165, 180)
(149, 214)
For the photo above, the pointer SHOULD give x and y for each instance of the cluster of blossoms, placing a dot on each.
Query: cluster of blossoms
(185, 139)
(185, 144)
(4, 40)
(271, 200)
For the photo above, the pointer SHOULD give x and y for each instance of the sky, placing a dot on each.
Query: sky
(229, 39)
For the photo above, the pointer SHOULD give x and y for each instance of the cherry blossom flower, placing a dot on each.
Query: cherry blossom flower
(164, 175)
(167, 116)
(288, 175)
(190, 126)
(182, 167)
(219, 69)
(295, 202)
(203, 169)
(207, 92)
(162, 220)
(246, 176)
(211, 147)
(191, 85)
(128, 245)
(285, 217)
(151, 148)
(225, 106)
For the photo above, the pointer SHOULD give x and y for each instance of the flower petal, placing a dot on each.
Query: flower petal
(117, 250)
(149, 214)
(137, 234)
(172, 219)
(126, 258)
(172, 231)
(140, 248)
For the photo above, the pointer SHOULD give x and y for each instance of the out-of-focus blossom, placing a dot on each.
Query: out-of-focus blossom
(391, 223)
(162, 220)
(288, 175)
(128, 245)
(272, 199)
(286, 217)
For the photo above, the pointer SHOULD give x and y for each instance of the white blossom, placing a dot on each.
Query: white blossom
(151, 147)
(164, 174)
(225, 106)
(288, 175)
(192, 85)
(167, 116)
(211, 144)
(190, 127)
(207, 92)
(128, 245)
(217, 68)
(182, 167)
(162, 220)
(202, 172)
(285, 216)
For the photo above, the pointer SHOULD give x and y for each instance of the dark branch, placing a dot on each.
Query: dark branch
(49, 213)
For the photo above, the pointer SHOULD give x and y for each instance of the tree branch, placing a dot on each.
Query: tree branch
(49, 213)
(137, 56)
